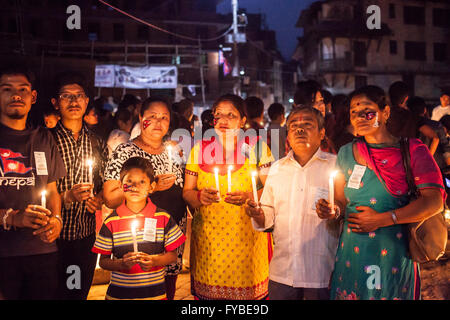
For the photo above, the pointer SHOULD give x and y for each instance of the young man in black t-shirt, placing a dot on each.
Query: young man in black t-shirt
(29, 164)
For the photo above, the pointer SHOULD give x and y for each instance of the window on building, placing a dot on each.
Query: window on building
(118, 32)
(441, 18)
(414, 15)
(143, 33)
(415, 51)
(440, 52)
(391, 11)
(393, 47)
(360, 81)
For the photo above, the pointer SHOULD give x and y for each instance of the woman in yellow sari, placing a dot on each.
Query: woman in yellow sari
(229, 260)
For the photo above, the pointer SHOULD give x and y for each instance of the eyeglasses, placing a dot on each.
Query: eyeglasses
(70, 97)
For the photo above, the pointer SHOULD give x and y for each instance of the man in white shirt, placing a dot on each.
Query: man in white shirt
(304, 245)
(444, 108)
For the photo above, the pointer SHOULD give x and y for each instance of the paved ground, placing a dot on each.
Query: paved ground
(183, 289)
(435, 277)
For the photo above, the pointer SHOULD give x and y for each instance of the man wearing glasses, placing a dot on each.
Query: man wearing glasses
(304, 244)
(83, 152)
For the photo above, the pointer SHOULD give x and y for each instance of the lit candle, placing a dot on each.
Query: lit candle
(169, 152)
(229, 178)
(331, 191)
(90, 175)
(43, 199)
(255, 193)
(216, 176)
(134, 225)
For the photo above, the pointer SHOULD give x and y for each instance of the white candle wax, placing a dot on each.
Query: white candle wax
(43, 199)
(331, 190)
(169, 152)
(90, 175)
(133, 233)
(229, 178)
(216, 176)
(255, 193)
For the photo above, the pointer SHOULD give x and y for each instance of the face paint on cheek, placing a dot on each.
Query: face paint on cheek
(146, 123)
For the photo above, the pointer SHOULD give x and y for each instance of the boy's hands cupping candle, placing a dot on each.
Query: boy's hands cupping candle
(130, 259)
(147, 261)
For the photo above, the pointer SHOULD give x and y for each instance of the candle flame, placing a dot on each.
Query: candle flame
(230, 168)
(44, 192)
(169, 148)
(90, 162)
(216, 170)
(254, 173)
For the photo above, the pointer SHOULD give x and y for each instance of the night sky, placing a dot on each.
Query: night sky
(281, 16)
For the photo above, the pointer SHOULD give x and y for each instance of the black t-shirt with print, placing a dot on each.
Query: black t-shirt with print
(23, 176)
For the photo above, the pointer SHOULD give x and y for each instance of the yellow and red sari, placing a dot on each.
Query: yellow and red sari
(229, 259)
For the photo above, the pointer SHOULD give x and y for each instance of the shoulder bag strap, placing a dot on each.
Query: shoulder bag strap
(406, 156)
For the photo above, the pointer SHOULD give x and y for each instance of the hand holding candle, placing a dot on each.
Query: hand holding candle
(134, 225)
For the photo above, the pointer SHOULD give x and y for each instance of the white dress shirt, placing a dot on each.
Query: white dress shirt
(304, 246)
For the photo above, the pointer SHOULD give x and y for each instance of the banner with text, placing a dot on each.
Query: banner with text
(145, 77)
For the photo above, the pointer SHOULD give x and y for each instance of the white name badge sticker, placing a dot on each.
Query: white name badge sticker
(150, 229)
(41, 163)
(355, 179)
(319, 193)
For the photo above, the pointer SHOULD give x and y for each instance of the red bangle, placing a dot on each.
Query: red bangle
(198, 195)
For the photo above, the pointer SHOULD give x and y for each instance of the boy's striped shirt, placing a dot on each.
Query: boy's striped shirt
(115, 238)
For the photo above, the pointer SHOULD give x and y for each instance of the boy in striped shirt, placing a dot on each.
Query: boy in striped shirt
(138, 273)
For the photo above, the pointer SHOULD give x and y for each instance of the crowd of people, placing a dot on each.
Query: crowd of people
(267, 223)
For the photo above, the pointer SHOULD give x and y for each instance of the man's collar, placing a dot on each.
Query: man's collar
(319, 154)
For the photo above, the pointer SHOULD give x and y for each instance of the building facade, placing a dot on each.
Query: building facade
(36, 31)
(412, 45)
